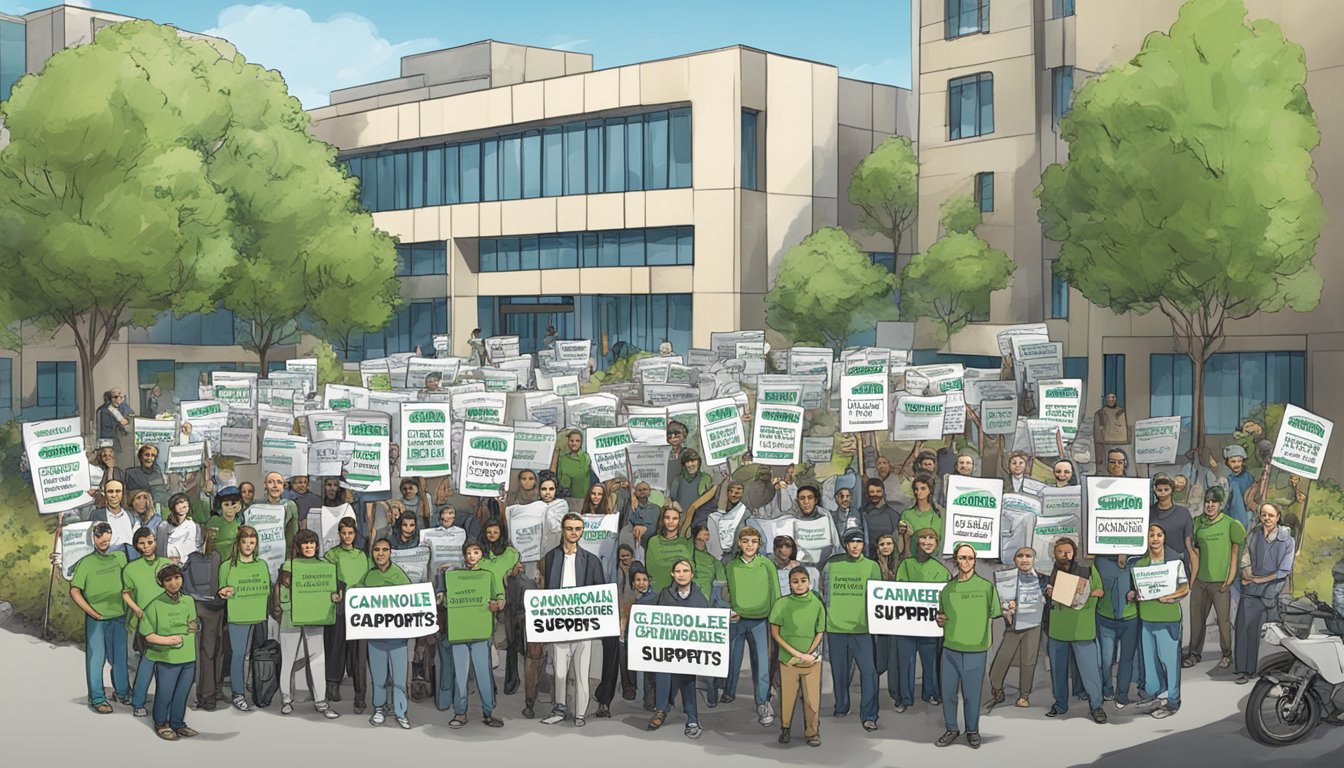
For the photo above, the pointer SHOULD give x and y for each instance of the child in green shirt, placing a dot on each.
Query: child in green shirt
(168, 623)
(797, 624)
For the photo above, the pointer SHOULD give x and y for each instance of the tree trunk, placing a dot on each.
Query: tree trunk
(895, 250)
(1197, 404)
(262, 353)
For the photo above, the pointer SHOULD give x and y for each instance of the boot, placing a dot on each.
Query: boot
(511, 680)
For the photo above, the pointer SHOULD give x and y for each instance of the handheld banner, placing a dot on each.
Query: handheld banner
(777, 434)
(532, 447)
(1117, 515)
(286, 454)
(390, 613)
(688, 641)
(1059, 401)
(647, 425)
(816, 450)
(721, 431)
(1154, 581)
(648, 463)
(575, 613)
(38, 431)
(185, 458)
(76, 541)
(904, 608)
(998, 417)
(918, 418)
(525, 525)
(863, 398)
(1155, 440)
(466, 596)
(973, 514)
(425, 435)
(325, 425)
(486, 458)
(269, 520)
(60, 472)
(1300, 447)
(606, 447)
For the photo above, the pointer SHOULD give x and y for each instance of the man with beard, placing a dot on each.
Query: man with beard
(1073, 634)
(881, 516)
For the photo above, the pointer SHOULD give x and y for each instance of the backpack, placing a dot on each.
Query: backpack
(265, 672)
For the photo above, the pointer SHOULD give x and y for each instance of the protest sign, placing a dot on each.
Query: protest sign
(973, 514)
(813, 388)
(389, 404)
(414, 561)
(313, 582)
(1155, 440)
(76, 541)
(533, 447)
(207, 419)
(606, 447)
(1303, 437)
(325, 458)
(998, 417)
(307, 366)
(699, 358)
(483, 407)
(599, 537)
(239, 443)
(1044, 436)
(1060, 401)
(159, 433)
(1033, 331)
(269, 520)
(574, 613)
(1057, 502)
(816, 450)
(275, 420)
(60, 471)
(779, 526)
(390, 613)
(565, 386)
(486, 458)
(425, 432)
(777, 434)
(932, 380)
(670, 394)
(954, 413)
(1117, 515)
(597, 410)
(575, 351)
(499, 381)
(185, 458)
(863, 398)
(466, 596)
(688, 641)
(525, 523)
(918, 418)
(501, 346)
(647, 425)
(724, 343)
(778, 394)
(420, 369)
(1154, 581)
(338, 397)
(1036, 360)
(648, 463)
(752, 355)
(544, 408)
(38, 431)
(445, 547)
(1051, 529)
(904, 608)
(816, 539)
(325, 425)
(325, 522)
(1017, 523)
(1070, 590)
(238, 394)
(981, 390)
(721, 431)
(368, 468)
(442, 344)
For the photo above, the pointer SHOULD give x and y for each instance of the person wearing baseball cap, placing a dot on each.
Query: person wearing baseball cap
(844, 581)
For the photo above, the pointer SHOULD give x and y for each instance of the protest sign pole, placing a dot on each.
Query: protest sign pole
(51, 582)
(858, 448)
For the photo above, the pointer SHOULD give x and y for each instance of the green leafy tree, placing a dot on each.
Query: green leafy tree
(951, 282)
(885, 187)
(308, 253)
(1189, 185)
(828, 289)
(109, 215)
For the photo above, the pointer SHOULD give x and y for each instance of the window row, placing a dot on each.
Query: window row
(625, 323)
(413, 325)
(218, 328)
(1235, 383)
(415, 259)
(659, 247)
(620, 154)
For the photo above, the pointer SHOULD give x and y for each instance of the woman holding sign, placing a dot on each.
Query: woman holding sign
(682, 593)
(168, 625)
(387, 658)
(924, 567)
(306, 596)
(1160, 627)
(245, 585)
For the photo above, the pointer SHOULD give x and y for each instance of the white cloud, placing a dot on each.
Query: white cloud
(315, 57)
(570, 45)
(894, 71)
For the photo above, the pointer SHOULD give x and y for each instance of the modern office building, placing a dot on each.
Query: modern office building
(630, 205)
(994, 78)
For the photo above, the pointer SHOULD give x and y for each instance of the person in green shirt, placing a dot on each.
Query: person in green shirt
(245, 585)
(845, 581)
(752, 591)
(346, 656)
(229, 502)
(1217, 540)
(473, 655)
(573, 467)
(708, 573)
(922, 514)
(666, 547)
(299, 632)
(965, 609)
(924, 567)
(507, 562)
(168, 625)
(96, 587)
(387, 657)
(1160, 632)
(1073, 633)
(797, 624)
(139, 586)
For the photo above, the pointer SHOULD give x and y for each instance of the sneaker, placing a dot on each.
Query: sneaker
(140, 712)
(900, 708)
(814, 741)
(973, 738)
(1099, 716)
(553, 718)
(870, 725)
(1242, 679)
(1108, 697)
(491, 721)
(603, 710)
(579, 722)
(935, 701)
(287, 708)
(378, 717)
(104, 708)
(360, 707)
(765, 715)
(1163, 712)
(186, 732)
(948, 738)
(1119, 705)
(1054, 712)
(166, 732)
(405, 723)
(784, 736)
(693, 731)
(327, 711)
(724, 699)
(240, 704)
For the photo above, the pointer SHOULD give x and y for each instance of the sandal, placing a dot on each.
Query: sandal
(457, 722)
(657, 721)
(1225, 662)
(995, 698)
(1023, 702)
(166, 732)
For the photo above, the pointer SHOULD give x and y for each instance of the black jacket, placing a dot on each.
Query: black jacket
(695, 599)
(587, 568)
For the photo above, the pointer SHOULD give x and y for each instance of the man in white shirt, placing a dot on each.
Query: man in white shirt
(568, 565)
(123, 524)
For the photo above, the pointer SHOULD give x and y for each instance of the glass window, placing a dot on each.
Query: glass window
(588, 244)
(1113, 377)
(510, 152)
(417, 178)
(13, 55)
(1061, 80)
(507, 254)
(489, 170)
(679, 172)
(532, 164)
(487, 253)
(984, 191)
(661, 247)
(630, 323)
(632, 248)
(970, 106)
(634, 162)
(553, 159)
(528, 256)
(401, 180)
(685, 245)
(615, 156)
(6, 387)
(595, 157)
(1235, 385)
(1060, 8)
(655, 151)
(56, 392)
(469, 177)
(1059, 296)
(609, 249)
(434, 170)
(574, 157)
(386, 183)
(749, 141)
(966, 17)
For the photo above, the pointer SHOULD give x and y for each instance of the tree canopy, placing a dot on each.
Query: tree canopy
(885, 187)
(828, 289)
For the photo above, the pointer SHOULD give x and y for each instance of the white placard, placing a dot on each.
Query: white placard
(817, 450)
(721, 431)
(418, 370)
(1156, 440)
(486, 459)
(38, 431)
(75, 543)
(159, 433)
(325, 425)
(286, 454)
(571, 614)
(338, 397)
(1060, 401)
(596, 410)
(501, 346)
(533, 447)
(688, 641)
(185, 458)
(954, 413)
(60, 471)
(565, 386)
(482, 407)
(973, 514)
(426, 433)
(526, 526)
(1303, 437)
(573, 351)
(1117, 515)
(918, 418)
(863, 398)
(269, 520)
(998, 417)
(390, 613)
(777, 435)
(647, 425)
(1032, 331)
(606, 447)
(1154, 581)
(904, 608)
(648, 463)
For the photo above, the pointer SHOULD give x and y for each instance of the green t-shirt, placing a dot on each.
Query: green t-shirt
(1151, 610)
(351, 564)
(846, 583)
(929, 571)
(753, 588)
(466, 594)
(918, 520)
(394, 576)
(251, 584)
(503, 563)
(707, 571)
(99, 578)
(660, 553)
(226, 533)
(970, 606)
(138, 580)
(164, 616)
(799, 618)
(1071, 626)
(1214, 541)
(308, 601)
(571, 472)
(1105, 607)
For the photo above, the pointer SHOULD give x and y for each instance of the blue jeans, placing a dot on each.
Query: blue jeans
(967, 670)
(172, 682)
(1085, 653)
(469, 657)
(445, 696)
(1162, 659)
(144, 674)
(846, 651)
(926, 648)
(240, 641)
(388, 656)
(1113, 633)
(666, 682)
(105, 643)
(756, 634)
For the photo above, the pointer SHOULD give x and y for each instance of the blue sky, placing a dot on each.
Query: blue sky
(322, 45)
